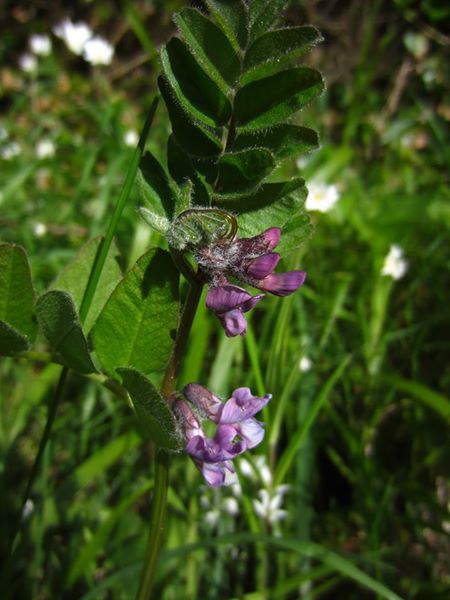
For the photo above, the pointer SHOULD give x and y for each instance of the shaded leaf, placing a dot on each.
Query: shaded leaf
(11, 341)
(231, 15)
(263, 15)
(153, 412)
(137, 325)
(260, 198)
(244, 169)
(155, 185)
(194, 139)
(17, 295)
(210, 46)
(182, 170)
(196, 92)
(268, 101)
(75, 276)
(283, 140)
(58, 319)
(276, 50)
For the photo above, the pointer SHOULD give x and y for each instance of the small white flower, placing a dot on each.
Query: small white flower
(40, 44)
(321, 197)
(236, 489)
(230, 506)
(212, 517)
(305, 364)
(98, 51)
(39, 229)
(74, 35)
(28, 508)
(131, 138)
(395, 265)
(10, 150)
(45, 148)
(263, 470)
(28, 63)
(268, 506)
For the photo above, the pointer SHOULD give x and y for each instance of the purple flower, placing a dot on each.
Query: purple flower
(236, 431)
(252, 261)
(229, 303)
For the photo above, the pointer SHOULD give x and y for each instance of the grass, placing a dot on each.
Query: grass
(361, 437)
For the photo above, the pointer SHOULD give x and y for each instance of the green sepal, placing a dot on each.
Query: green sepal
(276, 50)
(11, 341)
(210, 46)
(59, 321)
(266, 102)
(282, 140)
(199, 95)
(156, 420)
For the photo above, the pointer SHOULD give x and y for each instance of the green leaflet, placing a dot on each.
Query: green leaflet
(11, 341)
(195, 140)
(195, 91)
(58, 319)
(155, 185)
(74, 278)
(277, 49)
(210, 46)
(137, 325)
(182, 169)
(154, 415)
(17, 294)
(263, 15)
(282, 140)
(231, 15)
(257, 199)
(268, 101)
(244, 169)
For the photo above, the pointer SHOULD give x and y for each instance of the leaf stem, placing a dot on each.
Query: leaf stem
(159, 504)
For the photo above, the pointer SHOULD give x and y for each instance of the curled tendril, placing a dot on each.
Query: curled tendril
(195, 227)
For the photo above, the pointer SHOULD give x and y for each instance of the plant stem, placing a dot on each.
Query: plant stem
(159, 504)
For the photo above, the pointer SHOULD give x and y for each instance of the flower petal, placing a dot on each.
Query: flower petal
(242, 405)
(233, 322)
(251, 431)
(224, 298)
(260, 267)
(188, 422)
(282, 284)
(205, 400)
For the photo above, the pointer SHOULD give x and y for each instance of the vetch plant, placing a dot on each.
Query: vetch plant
(232, 85)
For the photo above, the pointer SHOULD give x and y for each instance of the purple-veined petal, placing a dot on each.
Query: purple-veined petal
(250, 303)
(233, 322)
(260, 267)
(214, 473)
(205, 400)
(242, 405)
(251, 431)
(282, 284)
(224, 298)
(188, 422)
(224, 439)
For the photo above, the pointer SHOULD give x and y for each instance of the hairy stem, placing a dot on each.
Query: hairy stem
(159, 504)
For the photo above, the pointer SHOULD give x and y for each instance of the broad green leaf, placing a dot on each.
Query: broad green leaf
(195, 91)
(182, 169)
(282, 140)
(137, 325)
(155, 185)
(276, 50)
(244, 169)
(210, 46)
(261, 198)
(231, 15)
(11, 341)
(58, 319)
(75, 276)
(194, 139)
(153, 412)
(295, 232)
(268, 101)
(263, 15)
(17, 294)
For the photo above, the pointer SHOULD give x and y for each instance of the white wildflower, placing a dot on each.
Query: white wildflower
(98, 51)
(263, 470)
(321, 197)
(395, 265)
(28, 508)
(212, 517)
(74, 35)
(10, 150)
(230, 506)
(268, 506)
(39, 229)
(45, 148)
(131, 138)
(40, 44)
(236, 489)
(28, 63)
(305, 364)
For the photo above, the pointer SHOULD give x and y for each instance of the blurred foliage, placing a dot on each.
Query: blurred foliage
(369, 477)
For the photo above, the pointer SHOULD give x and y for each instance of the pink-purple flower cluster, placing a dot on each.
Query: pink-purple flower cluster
(236, 429)
(250, 261)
